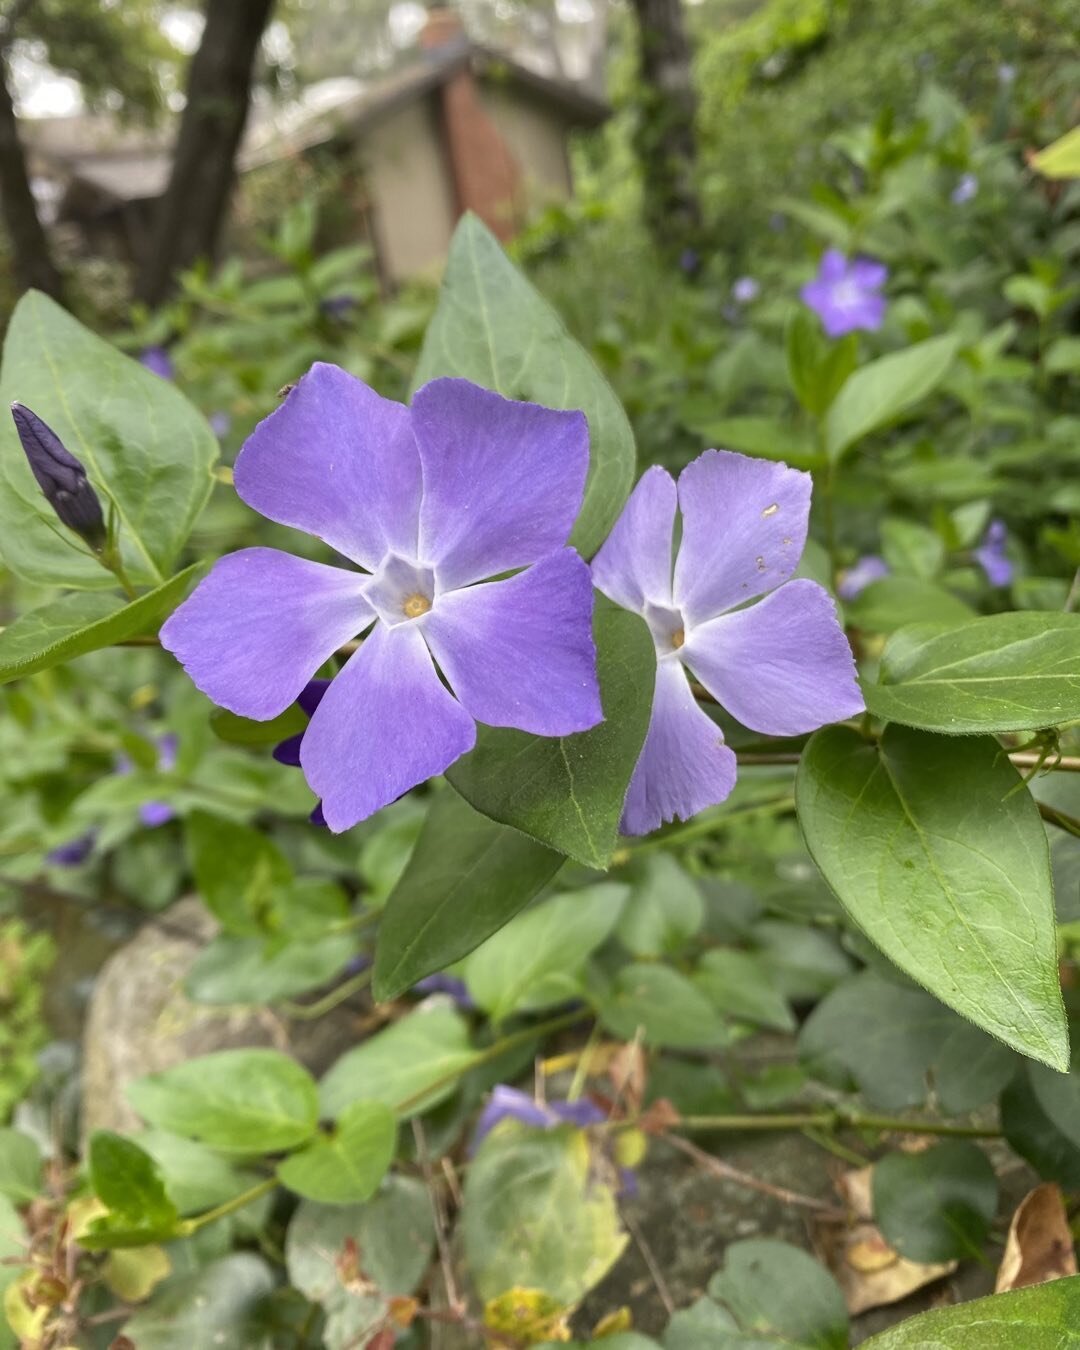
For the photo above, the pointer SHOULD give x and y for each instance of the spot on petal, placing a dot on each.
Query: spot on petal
(770, 510)
(761, 564)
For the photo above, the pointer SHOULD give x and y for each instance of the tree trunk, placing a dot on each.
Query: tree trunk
(31, 257)
(664, 138)
(189, 215)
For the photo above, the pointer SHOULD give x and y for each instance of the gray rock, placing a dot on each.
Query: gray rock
(141, 1021)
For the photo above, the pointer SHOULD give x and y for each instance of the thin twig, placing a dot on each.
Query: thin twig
(1070, 824)
(438, 1214)
(725, 1172)
(650, 1262)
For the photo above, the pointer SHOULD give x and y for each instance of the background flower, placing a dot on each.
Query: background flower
(855, 579)
(845, 293)
(992, 557)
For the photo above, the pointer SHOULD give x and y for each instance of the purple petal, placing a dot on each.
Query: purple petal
(633, 566)
(288, 750)
(781, 667)
(580, 1112)
(456, 988)
(744, 528)
(856, 579)
(507, 1103)
(167, 747)
(833, 266)
(869, 274)
(520, 653)
(157, 360)
(503, 481)
(385, 724)
(684, 764)
(153, 814)
(317, 817)
(74, 852)
(338, 462)
(312, 695)
(258, 627)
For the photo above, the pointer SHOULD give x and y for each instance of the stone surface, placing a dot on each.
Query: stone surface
(141, 1021)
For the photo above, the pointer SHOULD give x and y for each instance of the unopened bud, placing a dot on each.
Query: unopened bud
(60, 476)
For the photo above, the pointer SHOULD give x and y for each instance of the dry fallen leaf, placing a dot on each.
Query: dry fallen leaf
(1039, 1246)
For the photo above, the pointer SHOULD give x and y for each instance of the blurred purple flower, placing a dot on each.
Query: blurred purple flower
(689, 261)
(158, 360)
(781, 667)
(745, 291)
(220, 422)
(429, 500)
(857, 577)
(446, 984)
(991, 555)
(845, 294)
(1006, 73)
(965, 189)
(153, 814)
(338, 306)
(74, 852)
(507, 1103)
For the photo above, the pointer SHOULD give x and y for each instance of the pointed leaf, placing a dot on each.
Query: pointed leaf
(1043, 1318)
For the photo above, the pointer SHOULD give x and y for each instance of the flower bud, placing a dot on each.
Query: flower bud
(60, 476)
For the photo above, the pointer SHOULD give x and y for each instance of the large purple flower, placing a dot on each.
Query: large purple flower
(845, 293)
(461, 487)
(781, 667)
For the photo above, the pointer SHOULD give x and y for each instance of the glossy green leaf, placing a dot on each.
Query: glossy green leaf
(665, 1006)
(493, 328)
(85, 622)
(144, 446)
(239, 1101)
(946, 869)
(1046, 1317)
(414, 1060)
(935, 1205)
(536, 1216)
(881, 391)
(20, 1166)
(1001, 672)
(467, 876)
(216, 1306)
(568, 791)
(251, 970)
(344, 1165)
(129, 1182)
(536, 958)
(663, 910)
(781, 1295)
(741, 984)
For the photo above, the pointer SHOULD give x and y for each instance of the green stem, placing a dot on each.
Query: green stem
(706, 825)
(240, 1201)
(306, 1012)
(835, 1120)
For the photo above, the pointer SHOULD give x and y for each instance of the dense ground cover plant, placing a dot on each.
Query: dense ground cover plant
(619, 900)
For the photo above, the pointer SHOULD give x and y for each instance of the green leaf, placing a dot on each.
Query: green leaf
(664, 909)
(1035, 1137)
(935, 1205)
(742, 985)
(536, 1216)
(1043, 1318)
(239, 1101)
(762, 437)
(704, 1323)
(881, 391)
(467, 876)
(144, 447)
(536, 958)
(401, 1063)
(946, 869)
(216, 1306)
(249, 970)
(84, 622)
(235, 730)
(891, 1038)
(239, 872)
(567, 791)
(346, 1165)
(912, 549)
(1061, 159)
(665, 1006)
(129, 1182)
(196, 1178)
(891, 603)
(493, 328)
(781, 1295)
(392, 1237)
(817, 368)
(1001, 672)
(20, 1166)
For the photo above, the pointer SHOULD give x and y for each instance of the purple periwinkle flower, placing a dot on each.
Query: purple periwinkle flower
(157, 360)
(857, 577)
(507, 1103)
(220, 422)
(1006, 73)
(689, 261)
(450, 985)
(288, 750)
(745, 291)
(153, 814)
(781, 667)
(338, 306)
(845, 294)
(966, 187)
(991, 555)
(427, 500)
(74, 852)
(60, 476)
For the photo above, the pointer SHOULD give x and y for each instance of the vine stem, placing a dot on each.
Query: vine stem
(245, 1198)
(836, 1119)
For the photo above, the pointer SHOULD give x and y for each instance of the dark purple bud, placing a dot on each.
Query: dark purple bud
(74, 852)
(60, 476)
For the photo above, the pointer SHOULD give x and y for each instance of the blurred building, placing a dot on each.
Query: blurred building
(458, 128)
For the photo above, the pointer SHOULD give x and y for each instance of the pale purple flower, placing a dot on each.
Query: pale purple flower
(745, 291)
(991, 555)
(1006, 73)
(74, 852)
(856, 578)
(966, 188)
(507, 1103)
(428, 500)
(845, 294)
(220, 422)
(781, 667)
(153, 814)
(158, 360)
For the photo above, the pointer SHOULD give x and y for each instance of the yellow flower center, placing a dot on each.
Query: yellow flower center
(678, 638)
(415, 605)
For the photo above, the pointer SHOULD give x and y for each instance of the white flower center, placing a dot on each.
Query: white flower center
(667, 627)
(401, 590)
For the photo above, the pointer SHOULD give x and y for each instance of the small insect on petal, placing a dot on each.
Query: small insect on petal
(60, 476)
